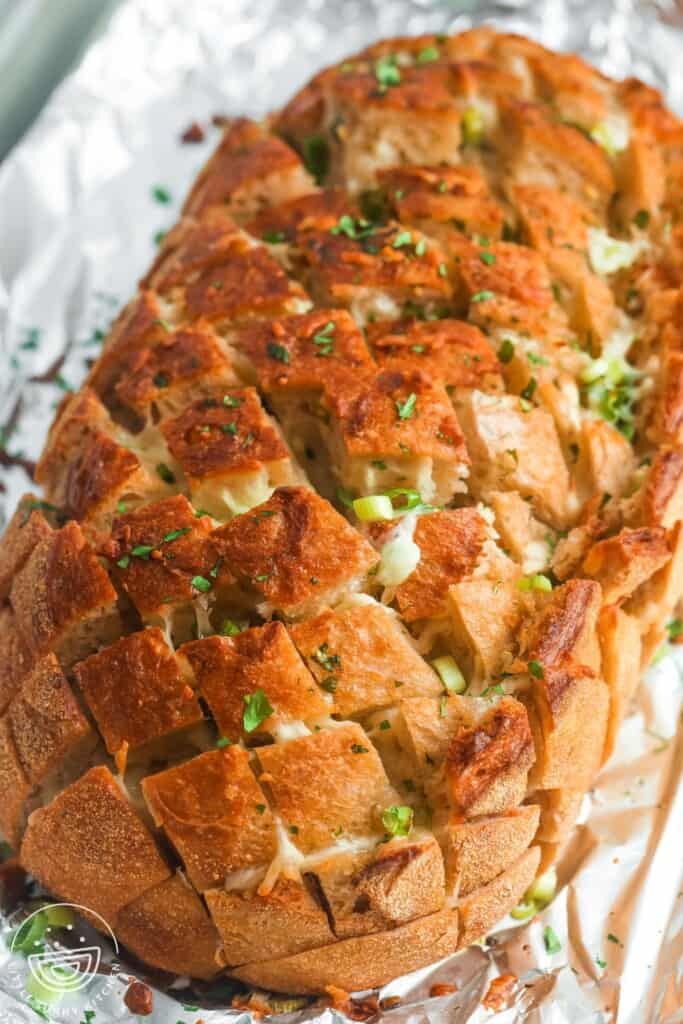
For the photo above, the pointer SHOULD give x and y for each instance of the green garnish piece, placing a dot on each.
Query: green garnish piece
(230, 628)
(489, 258)
(174, 534)
(398, 820)
(528, 392)
(274, 237)
(387, 72)
(406, 409)
(161, 194)
(316, 156)
(642, 219)
(256, 709)
(429, 54)
(223, 741)
(142, 551)
(536, 669)
(277, 352)
(482, 296)
(329, 661)
(231, 401)
(201, 583)
(506, 351)
(551, 941)
(165, 473)
(358, 748)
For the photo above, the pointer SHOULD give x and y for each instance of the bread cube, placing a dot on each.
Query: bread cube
(85, 469)
(295, 551)
(62, 598)
(15, 659)
(375, 271)
(231, 452)
(229, 670)
(16, 788)
(452, 352)
(255, 926)
(30, 524)
(162, 378)
(157, 550)
(363, 658)
(169, 928)
(479, 849)
(249, 170)
(330, 783)
(215, 814)
(136, 692)
(516, 447)
(396, 429)
(435, 199)
(623, 562)
(450, 544)
(88, 847)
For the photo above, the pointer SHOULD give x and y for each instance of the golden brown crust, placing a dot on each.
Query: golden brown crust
(363, 659)
(48, 726)
(330, 780)
(89, 847)
(361, 962)
(480, 909)
(300, 352)
(256, 926)
(61, 595)
(245, 170)
(294, 548)
(25, 530)
(452, 352)
(167, 926)
(135, 691)
(224, 434)
(434, 325)
(450, 544)
(214, 812)
(228, 670)
(479, 849)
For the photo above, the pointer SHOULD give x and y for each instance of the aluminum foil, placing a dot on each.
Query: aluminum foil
(82, 200)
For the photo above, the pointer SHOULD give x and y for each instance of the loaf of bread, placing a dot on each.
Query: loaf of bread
(354, 543)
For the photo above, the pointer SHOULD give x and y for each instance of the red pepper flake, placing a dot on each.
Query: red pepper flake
(442, 988)
(139, 999)
(193, 133)
(500, 993)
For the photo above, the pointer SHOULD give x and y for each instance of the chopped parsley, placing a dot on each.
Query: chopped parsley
(256, 709)
(483, 296)
(165, 473)
(223, 741)
(506, 351)
(358, 748)
(316, 156)
(277, 352)
(536, 669)
(352, 228)
(491, 691)
(329, 661)
(675, 629)
(201, 583)
(161, 194)
(402, 238)
(174, 534)
(406, 409)
(528, 392)
(260, 808)
(230, 628)
(398, 820)
(429, 54)
(324, 339)
(231, 401)
(642, 219)
(378, 464)
(387, 72)
(489, 258)
(273, 237)
(551, 941)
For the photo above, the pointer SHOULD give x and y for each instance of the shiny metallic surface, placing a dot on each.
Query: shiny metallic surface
(79, 218)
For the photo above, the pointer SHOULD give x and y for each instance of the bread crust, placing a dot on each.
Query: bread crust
(362, 524)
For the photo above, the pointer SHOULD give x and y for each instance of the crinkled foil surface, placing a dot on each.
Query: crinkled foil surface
(81, 200)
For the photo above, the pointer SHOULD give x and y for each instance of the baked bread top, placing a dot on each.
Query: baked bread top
(368, 514)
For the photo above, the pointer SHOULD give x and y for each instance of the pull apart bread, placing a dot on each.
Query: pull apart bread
(355, 541)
